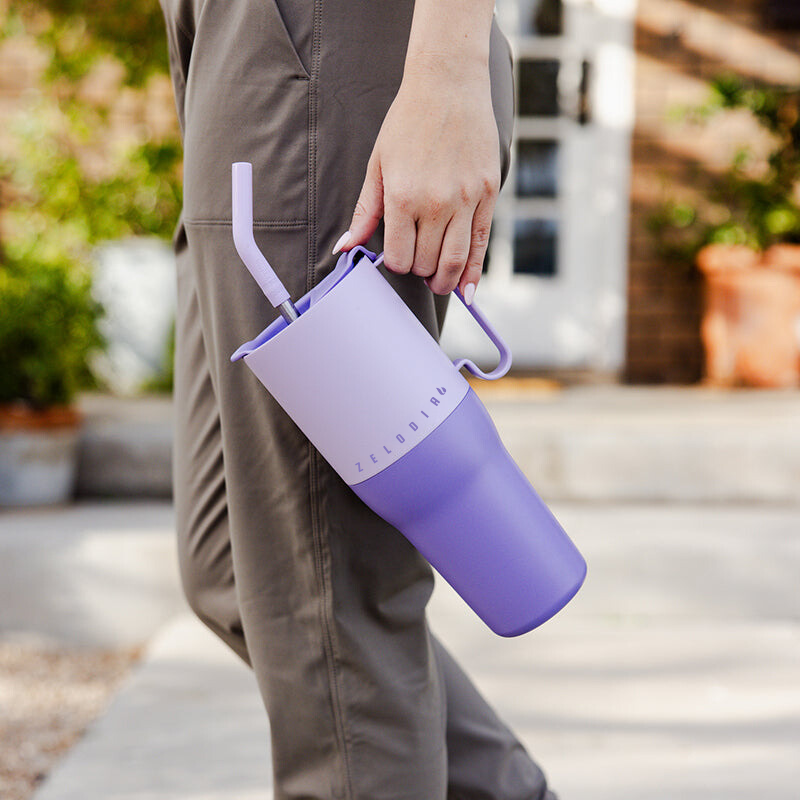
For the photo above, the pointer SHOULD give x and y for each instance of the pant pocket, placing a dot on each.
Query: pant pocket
(297, 19)
(246, 100)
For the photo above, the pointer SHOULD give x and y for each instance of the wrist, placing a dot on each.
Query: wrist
(444, 68)
(450, 35)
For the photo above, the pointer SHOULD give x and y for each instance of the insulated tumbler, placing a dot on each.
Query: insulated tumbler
(376, 395)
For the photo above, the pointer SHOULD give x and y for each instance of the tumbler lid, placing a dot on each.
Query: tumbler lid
(343, 267)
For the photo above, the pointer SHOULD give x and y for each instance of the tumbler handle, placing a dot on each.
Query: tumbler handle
(505, 353)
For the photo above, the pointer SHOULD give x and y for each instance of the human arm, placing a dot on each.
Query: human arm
(434, 172)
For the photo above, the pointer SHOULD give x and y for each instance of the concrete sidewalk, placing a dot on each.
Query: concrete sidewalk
(672, 676)
(103, 574)
(603, 443)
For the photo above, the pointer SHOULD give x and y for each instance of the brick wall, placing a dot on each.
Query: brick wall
(680, 44)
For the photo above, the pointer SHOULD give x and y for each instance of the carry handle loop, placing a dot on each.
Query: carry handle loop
(505, 353)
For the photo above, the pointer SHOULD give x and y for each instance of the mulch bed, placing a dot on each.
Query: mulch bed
(48, 696)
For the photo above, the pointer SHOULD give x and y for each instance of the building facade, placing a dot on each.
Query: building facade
(574, 279)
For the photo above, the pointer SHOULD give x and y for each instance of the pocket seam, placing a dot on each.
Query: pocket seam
(258, 223)
(290, 42)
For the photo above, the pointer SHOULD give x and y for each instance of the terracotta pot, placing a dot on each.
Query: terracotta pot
(38, 455)
(751, 320)
(783, 256)
(723, 258)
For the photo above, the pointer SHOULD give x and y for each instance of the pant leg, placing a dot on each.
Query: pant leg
(201, 503)
(332, 603)
(331, 599)
(484, 758)
(486, 761)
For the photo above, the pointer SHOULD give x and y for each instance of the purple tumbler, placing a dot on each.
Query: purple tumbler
(376, 395)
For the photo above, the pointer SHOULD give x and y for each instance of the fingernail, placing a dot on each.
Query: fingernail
(342, 241)
(469, 293)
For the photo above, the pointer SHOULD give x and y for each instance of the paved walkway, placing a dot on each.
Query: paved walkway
(94, 574)
(672, 676)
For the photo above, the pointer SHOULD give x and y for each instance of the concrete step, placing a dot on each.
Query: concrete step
(126, 447)
(641, 444)
(611, 443)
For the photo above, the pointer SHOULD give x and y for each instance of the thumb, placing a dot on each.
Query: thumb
(369, 208)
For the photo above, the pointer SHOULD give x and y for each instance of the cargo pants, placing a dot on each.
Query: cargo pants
(278, 557)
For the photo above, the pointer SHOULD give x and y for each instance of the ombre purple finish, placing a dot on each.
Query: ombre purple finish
(455, 492)
(465, 505)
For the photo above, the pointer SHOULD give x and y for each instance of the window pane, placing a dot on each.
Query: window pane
(538, 87)
(541, 17)
(537, 168)
(535, 247)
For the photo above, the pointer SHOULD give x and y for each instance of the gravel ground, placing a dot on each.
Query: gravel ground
(48, 696)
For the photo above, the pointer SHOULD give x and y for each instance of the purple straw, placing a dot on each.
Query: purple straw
(246, 247)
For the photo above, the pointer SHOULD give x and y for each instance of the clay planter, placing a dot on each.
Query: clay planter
(38, 455)
(751, 319)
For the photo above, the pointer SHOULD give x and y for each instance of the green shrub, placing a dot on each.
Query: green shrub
(48, 331)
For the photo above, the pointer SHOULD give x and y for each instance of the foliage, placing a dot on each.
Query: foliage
(48, 331)
(751, 204)
(56, 203)
(78, 32)
(65, 185)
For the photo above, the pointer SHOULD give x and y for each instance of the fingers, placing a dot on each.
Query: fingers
(368, 210)
(399, 238)
(453, 256)
(430, 234)
(443, 242)
(479, 241)
(463, 251)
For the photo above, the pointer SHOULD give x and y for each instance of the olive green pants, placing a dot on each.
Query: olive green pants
(278, 557)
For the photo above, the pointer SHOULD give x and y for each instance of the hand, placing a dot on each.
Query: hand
(434, 174)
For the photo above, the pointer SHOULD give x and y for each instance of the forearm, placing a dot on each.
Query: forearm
(434, 172)
(452, 35)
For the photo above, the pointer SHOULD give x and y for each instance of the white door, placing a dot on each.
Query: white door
(555, 277)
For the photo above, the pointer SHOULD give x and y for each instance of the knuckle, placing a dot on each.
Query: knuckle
(482, 187)
(474, 269)
(404, 201)
(435, 204)
(480, 236)
(490, 185)
(395, 263)
(401, 198)
(423, 269)
(453, 264)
